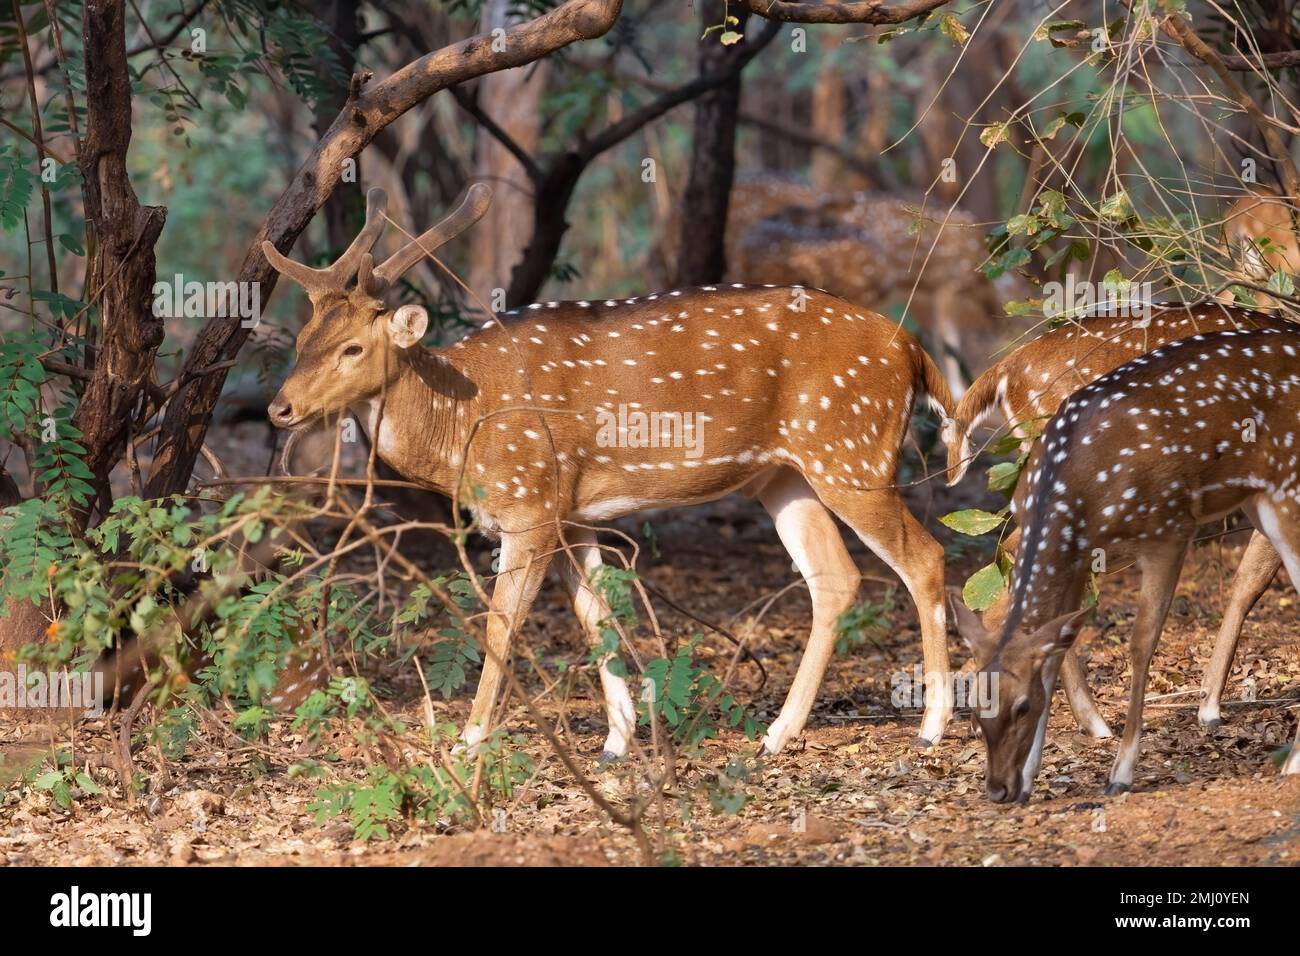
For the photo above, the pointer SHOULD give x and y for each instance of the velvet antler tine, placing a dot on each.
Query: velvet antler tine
(469, 209)
(346, 266)
(312, 280)
(337, 276)
(366, 280)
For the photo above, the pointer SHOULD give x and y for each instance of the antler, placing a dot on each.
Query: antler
(336, 277)
(358, 260)
(469, 209)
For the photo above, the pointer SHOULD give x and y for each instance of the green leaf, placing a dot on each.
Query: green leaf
(973, 521)
(1004, 475)
(952, 28)
(1117, 207)
(983, 588)
(994, 134)
(1281, 283)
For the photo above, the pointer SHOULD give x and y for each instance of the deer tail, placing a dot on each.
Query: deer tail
(938, 396)
(980, 399)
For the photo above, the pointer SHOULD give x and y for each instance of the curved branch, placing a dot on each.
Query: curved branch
(852, 11)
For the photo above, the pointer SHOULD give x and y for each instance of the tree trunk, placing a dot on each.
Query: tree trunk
(550, 223)
(702, 259)
(345, 210)
(512, 98)
(122, 270)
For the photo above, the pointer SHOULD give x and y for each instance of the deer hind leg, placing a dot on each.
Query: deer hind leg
(1282, 526)
(882, 521)
(578, 562)
(1073, 676)
(1159, 578)
(1259, 563)
(810, 536)
(524, 557)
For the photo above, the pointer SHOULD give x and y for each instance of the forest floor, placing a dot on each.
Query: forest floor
(852, 790)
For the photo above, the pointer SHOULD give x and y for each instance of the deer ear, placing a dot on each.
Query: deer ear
(1059, 633)
(969, 625)
(407, 325)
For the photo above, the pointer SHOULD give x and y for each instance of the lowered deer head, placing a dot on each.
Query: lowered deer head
(1022, 674)
(351, 349)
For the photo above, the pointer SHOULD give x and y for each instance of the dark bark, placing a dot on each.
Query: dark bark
(555, 179)
(122, 266)
(550, 223)
(345, 210)
(702, 257)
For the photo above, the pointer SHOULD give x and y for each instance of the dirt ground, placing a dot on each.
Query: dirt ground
(854, 790)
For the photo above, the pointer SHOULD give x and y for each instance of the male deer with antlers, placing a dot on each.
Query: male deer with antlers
(1131, 464)
(800, 398)
(1028, 386)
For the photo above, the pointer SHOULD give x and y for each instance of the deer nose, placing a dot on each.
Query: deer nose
(280, 412)
(997, 793)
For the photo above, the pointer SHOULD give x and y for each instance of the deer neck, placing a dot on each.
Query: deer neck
(1052, 562)
(420, 424)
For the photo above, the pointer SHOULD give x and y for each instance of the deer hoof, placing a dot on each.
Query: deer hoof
(1212, 724)
(1114, 789)
(609, 758)
(922, 743)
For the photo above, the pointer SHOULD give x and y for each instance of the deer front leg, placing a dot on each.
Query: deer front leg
(1259, 563)
(1159, 578)
(1074, 678)
(578, 562)
(524, 557)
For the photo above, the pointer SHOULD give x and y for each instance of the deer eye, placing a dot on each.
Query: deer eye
(353, 349)
(1021, 708)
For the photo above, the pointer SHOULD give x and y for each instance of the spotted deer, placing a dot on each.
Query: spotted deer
(1128, 467)
(1261, 237)
(126, 670)
(550, 419)
(865, 247)
(1029, 384)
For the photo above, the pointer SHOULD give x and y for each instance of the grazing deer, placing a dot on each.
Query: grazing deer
(1261, 237)
(125, 668)
(865, 248)
(1128, 468)
(552, 418)
(1028, 385)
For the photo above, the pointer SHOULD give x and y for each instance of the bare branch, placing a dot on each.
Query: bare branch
(855, 11)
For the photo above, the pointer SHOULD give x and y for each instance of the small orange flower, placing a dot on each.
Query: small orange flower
(52, 631)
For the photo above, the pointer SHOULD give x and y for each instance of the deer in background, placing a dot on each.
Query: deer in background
(864, 247)
(794, 396)
(1028, 386)
(125, 669)
(1191, 432)
(1261, 238)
